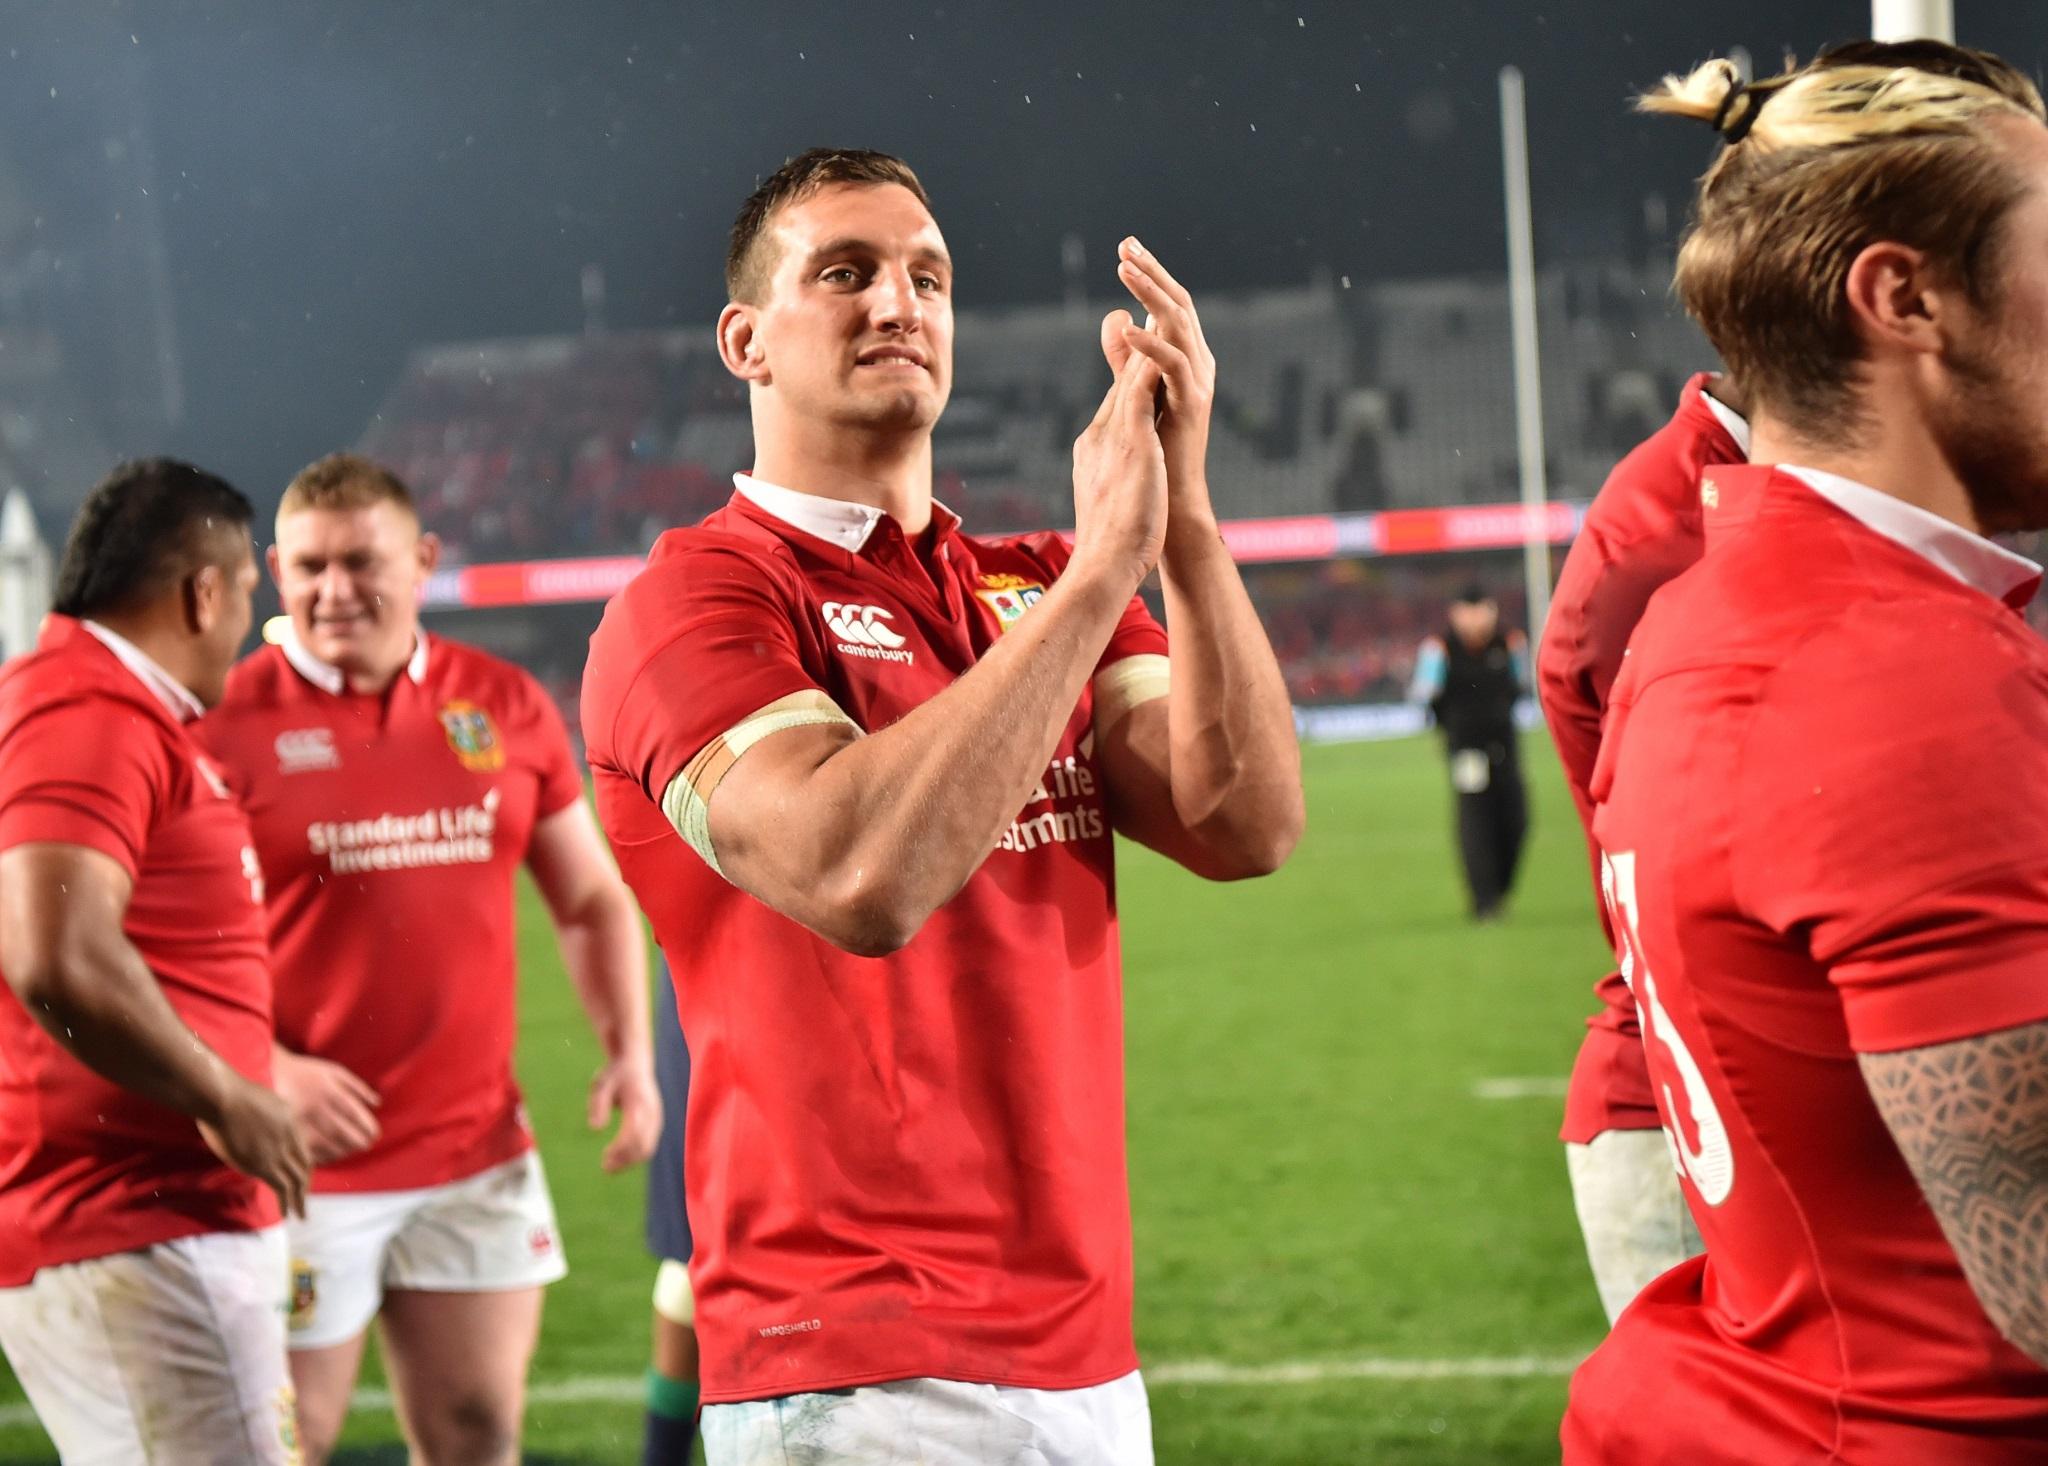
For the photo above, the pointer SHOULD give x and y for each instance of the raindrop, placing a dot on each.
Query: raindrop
(1345, 281)
(1300, 23)
(1255, 127)
(1027, 99)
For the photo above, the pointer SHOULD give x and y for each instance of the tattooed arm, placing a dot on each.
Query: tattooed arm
(1971, 1118)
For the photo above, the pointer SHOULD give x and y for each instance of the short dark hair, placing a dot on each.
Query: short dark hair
(747, 266)
(143, 528)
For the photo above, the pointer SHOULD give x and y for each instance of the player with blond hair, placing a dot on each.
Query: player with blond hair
(397, 781)
(1823, 793)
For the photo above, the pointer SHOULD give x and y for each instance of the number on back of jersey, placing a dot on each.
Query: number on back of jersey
(1710, 1163)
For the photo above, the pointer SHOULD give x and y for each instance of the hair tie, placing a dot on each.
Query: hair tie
(1735, 131)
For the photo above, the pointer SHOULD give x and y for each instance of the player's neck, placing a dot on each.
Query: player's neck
(370, 682)
(158, 633)
(1895, 455)
(891, 472)
(374, 675)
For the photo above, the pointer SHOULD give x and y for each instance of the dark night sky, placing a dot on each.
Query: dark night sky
(342, 181)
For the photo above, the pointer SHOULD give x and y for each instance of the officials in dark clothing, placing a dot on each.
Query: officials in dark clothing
(1470, 678)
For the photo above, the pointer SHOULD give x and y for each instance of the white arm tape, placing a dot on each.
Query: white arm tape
(673, 1299)
(1128, 681)
(687, 800)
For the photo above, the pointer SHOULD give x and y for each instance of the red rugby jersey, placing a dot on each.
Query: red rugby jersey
(91, 756)
(1823, 803)
(904, 1166)
(1643, 529)
(391, 827)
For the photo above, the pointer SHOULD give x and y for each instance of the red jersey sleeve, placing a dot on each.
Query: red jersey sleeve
(1138, 633)
(77, 774)
(561, 778)
(1915, 861)
(704, 637)
(1643, 529)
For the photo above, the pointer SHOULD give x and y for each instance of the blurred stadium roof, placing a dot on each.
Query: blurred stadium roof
(333, 184)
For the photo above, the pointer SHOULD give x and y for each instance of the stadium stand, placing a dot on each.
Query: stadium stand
(1330, 399)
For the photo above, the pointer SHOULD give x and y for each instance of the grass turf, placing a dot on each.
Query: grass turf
(1312, 1178)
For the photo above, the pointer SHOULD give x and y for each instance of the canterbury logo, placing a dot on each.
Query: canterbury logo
(861, 625)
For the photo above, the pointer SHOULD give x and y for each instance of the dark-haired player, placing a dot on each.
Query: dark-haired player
(862, 769)
(142, 1281)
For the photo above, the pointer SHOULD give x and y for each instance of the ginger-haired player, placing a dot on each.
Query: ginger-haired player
(396, 782)
(862, 769)
(1823, 793)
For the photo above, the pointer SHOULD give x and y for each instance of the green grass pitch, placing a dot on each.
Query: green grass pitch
(1313, 1181)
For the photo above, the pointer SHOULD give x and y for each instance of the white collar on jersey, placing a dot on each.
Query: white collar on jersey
(330, 678)
(1736, 424)
(176, 697)
(835, 521)
(1970, 558)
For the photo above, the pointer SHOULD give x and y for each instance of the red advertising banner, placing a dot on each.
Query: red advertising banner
(1303, 537)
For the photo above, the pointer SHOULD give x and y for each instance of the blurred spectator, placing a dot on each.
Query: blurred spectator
(1470, 677)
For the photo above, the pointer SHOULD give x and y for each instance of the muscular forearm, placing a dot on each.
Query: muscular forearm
(606, 954)
(104, 1006)
(1972, 1123)
(1235, 764)
(883, 830)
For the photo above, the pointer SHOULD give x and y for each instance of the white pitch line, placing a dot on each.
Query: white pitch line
(1544, 1086)
(631, 1389)
(1316, 1371)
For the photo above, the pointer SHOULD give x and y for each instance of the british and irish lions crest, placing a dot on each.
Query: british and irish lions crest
(1009, 596)
(473, 736)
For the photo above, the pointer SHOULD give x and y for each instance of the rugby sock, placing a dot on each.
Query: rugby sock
(671, 1420)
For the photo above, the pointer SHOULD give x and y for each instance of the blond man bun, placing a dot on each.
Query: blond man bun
(1867, 143)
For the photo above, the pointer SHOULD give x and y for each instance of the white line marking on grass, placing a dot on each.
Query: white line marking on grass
(1539, 1087)
(632, 1389)
(1316, 1371)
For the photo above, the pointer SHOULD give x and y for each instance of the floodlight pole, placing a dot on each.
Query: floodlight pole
(24, 575)
(1913, 20)
(1514, 139)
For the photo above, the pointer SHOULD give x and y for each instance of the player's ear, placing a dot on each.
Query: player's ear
(1895, 299)
(429, 552)
(738, 345)
(274, 564)
(203, 592)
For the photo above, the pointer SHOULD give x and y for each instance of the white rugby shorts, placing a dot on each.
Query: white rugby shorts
(937, 1422)
(488, 1233)
(173, 1354)
(1631, 1210)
